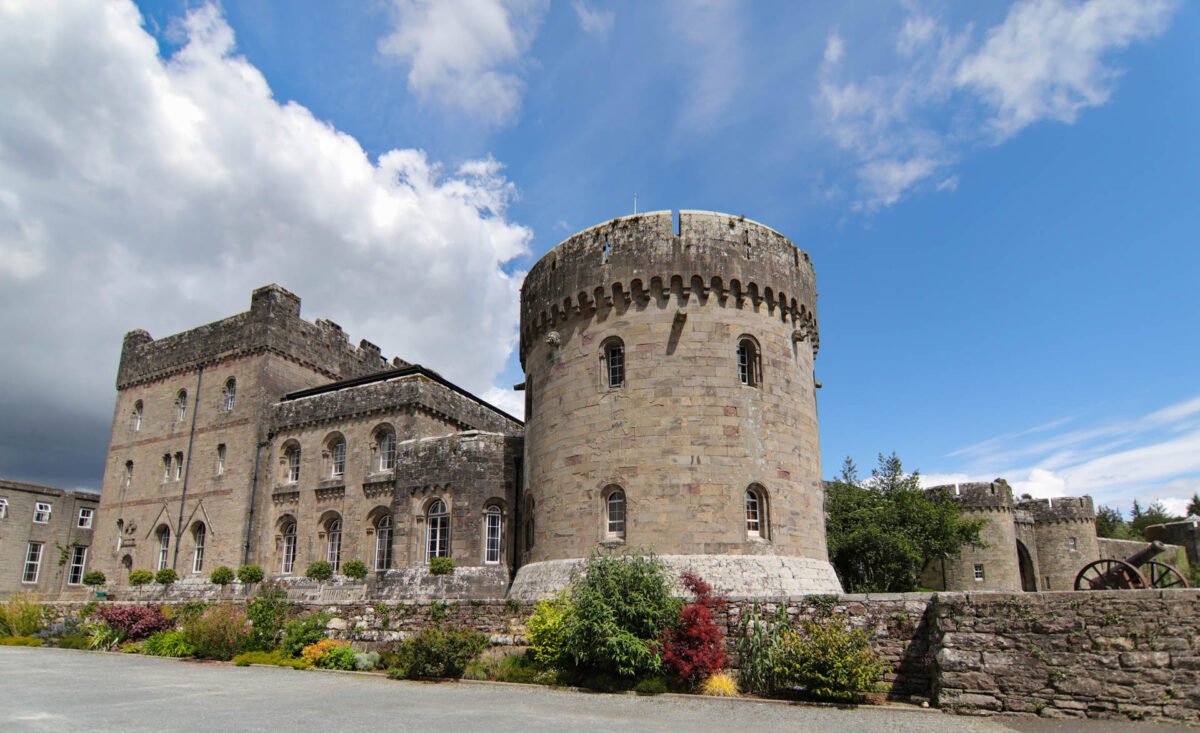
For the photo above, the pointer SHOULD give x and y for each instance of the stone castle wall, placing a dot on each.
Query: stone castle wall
(992, 565)
(1065, 528)
(682, 437)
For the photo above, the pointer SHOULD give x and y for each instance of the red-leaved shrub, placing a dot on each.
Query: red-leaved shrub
(696, 648)
(136, 622)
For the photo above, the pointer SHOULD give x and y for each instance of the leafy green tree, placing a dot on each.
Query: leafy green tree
(881, 532)
(165, 577)
(1193, 507)
(1110, 523)
(222, 575)
(1155, 514)
(249, 574)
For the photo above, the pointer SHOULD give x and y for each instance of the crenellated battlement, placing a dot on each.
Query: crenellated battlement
(272, 324)
(978, 496)
(1060, 509)
(713, 259)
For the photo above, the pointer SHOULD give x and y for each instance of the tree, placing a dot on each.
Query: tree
(1193, 507)
(881, 532)
(1155, 514)
(1110, 523)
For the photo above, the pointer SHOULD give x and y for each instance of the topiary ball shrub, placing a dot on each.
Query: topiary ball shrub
(356, 569)
(94, 578)
(320, 570)
(222, 576)
(165, 577)
(140, 577)
(250, 574)
(441, 566)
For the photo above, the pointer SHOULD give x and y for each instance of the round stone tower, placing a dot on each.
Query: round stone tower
(1065, 528)
(996, 563)
(670, 405)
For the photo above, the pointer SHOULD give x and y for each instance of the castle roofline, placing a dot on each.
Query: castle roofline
(402, 372)
(46, 490)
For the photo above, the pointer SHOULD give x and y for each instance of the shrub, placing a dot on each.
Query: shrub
(397, 673)
(303, 632)
(366, 661)
(134, 622)
(342, 657)
(314, 653)
(719, 684)
(320, 570)
(295, 664)
(519, 668)
(20, 641)
(696, 648)
(245, 659)
(221, 632)
(165, 577)
(546, 628)
(621, 607)
(437, 612)
(221, 576)
(441, 566)
(438, 652)
(87, 610)
(21, 615)
(74, 641)
(267, 613)
(140, 577)
(831, 661)
(761, 652)
(356, 569)
(102, 636)
(94, 578)
(652, 686)
(249, 574)
(167, 644)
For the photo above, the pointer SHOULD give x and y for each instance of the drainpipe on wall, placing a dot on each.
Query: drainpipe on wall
(253, 492)
(187, 467)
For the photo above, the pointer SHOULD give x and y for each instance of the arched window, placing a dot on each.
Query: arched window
(614, 513)
(492, 529)
(333, 544)
(230, 393)
(180, 405)
(135, 417)
(198, 535)
(166, 467)
(292, 464)
(613, 359)
(749, 363)
(385, 447)
(164, 544)
(756, 512)
(337, 457)
(179, 466)
(437, 531)
(289, 548)
(383, 542)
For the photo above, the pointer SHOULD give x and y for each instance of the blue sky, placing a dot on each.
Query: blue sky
(999, 199)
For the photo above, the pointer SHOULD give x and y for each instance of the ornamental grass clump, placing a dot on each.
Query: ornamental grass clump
(220, 632)
(718, 684)
(21, 615)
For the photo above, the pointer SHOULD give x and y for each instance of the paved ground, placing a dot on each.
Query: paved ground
(62, 690)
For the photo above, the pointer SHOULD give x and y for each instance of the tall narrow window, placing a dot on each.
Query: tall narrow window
(3, 508)
(164, 545)
(748, 362)
(128, 473)
(614, 514)
(198, 536)
(614, 363)
(757, 525)
(178, 466)
(289, 548)
(78, 561)
(491, 535)
(387, 450)
(166, 467)
(437, 531)
(337, 459)
(41, 512)
(33, 562)
(529, 533)
(293, 464)
(85, 518)
(181, 405)
(230, 393)
(333, 544)
(220, 459)
(135, 417)
(383, 542)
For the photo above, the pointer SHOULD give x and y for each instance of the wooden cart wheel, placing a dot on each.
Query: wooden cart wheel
(1162, 575)
(1109, 574)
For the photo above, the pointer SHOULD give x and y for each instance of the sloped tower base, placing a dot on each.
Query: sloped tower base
(736, 576)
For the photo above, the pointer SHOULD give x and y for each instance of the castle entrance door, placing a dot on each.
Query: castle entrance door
(1025, 563)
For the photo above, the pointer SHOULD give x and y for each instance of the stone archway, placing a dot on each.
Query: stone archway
(1025, 563)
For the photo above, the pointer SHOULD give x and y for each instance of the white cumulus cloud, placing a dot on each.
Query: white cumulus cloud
(594, 22)
(466, 54)
(143, 192)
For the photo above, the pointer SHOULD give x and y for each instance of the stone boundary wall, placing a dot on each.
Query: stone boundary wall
(1104, 654)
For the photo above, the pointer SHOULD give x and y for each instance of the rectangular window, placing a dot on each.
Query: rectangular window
(615, 356)
(492, 538)
(78, 560)
(220, 459)
(1071, 544)
(85, 518)
(167, 467)
(33, 562)
(178, 466)
(978, 573)
(339, 460)
(41, 513)
(293, 465)
(3, 508)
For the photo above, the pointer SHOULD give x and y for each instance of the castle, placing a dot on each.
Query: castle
(670, 405)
